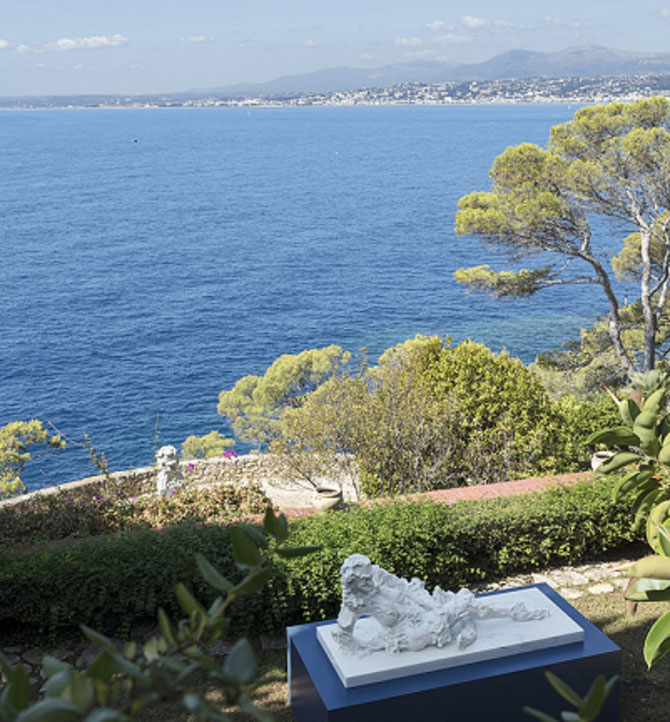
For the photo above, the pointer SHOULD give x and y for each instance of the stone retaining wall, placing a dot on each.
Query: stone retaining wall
(265, 470)
(260, 468)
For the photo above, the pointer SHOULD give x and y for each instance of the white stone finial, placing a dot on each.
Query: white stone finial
(169, 477)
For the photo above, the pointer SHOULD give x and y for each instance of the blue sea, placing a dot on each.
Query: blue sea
(150, 258)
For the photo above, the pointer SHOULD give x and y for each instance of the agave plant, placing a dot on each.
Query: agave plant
(641, 457)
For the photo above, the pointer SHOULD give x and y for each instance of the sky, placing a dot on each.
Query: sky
(52, 47)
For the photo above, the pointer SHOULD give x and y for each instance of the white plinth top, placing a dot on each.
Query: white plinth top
(495, 638)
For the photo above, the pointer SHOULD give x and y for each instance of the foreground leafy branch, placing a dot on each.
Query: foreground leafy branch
(641, 452)
(588, 708)
(120, 683)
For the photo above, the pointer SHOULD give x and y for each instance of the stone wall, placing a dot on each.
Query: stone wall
(263, 469)
(259, 468)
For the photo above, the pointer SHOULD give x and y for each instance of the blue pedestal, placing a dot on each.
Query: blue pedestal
(494, 691)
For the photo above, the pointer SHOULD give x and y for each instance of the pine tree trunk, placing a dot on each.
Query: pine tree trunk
(645, 298)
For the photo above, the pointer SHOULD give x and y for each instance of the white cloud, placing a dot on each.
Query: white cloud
(493, 26)
(452, 39)
(472, 22)
(665, 13)
(311, 43)
(365, 57)
(503, 26)
(408, 42)
(560, 22)
(197, 39)
(438, 26)
(78, 66)
(93, 42)
(5, 45)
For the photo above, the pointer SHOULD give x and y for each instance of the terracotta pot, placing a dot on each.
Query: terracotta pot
(328, 499)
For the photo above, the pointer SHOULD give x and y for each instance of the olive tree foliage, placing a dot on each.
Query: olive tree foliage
(381, 425)
(318, 438)
(610, 163)
(409, 439)
(255, 404)
(16, 440)
(208, 446)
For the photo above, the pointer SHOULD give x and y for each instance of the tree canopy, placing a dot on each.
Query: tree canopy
(255, 404)
(15, 440)
(610, 162)
(208, 446)
(427, 415)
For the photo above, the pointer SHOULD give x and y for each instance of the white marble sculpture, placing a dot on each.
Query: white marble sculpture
(169, 477)
(411, 618)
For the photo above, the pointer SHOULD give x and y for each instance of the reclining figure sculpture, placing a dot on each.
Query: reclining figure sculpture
(411, 618)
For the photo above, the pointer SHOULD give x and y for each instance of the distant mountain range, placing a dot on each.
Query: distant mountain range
(583, 61)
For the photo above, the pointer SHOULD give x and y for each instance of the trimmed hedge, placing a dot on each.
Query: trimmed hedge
(113, 583)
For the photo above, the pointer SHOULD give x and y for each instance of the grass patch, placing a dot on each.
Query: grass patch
(643, 694)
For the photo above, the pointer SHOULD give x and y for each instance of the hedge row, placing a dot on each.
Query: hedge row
(114, 583)
(97, 511)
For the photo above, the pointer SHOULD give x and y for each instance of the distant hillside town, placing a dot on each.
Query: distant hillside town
(526, 90)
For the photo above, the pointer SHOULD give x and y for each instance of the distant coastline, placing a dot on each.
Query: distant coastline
(528, 91)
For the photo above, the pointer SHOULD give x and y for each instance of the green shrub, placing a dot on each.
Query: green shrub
(108, 582)
(514, 429)
(112, 508)
(125, 678)
(572, 422)
(457, 545)
(215, 503)
(505, 408)
(112, 583)
(85, 511)
(433, 416)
